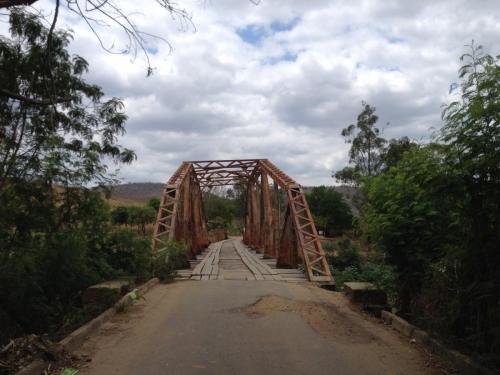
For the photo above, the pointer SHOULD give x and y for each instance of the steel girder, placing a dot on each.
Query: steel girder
(278, 221)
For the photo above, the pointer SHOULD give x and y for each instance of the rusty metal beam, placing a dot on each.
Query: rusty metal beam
(276, 224)
(293, 239)
(266, 217)
(165, 226)
(287, 252)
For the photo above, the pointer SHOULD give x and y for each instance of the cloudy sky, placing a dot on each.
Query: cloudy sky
(280, 79)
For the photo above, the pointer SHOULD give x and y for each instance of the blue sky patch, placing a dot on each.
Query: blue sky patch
(152, 50)
(287, 56)
(278, 26)
(252, 34)
(255, 34)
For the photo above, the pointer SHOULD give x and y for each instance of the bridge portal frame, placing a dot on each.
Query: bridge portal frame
(288, 237)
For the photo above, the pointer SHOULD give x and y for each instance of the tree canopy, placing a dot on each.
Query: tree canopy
(369, 153)
(55, 127)
(331, 212)
(366, 145)
(58, 134)
(99, 14)
(435, 213)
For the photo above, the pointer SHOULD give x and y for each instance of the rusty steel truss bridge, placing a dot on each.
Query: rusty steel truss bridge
(278, 221)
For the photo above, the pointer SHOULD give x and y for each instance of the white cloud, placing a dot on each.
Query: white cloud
(219, 96)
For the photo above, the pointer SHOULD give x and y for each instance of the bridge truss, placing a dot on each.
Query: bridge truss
(277, 219)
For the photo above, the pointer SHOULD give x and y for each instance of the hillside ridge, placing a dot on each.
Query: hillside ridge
(143, 191)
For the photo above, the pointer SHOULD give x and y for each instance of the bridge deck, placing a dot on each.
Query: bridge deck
(232, 260)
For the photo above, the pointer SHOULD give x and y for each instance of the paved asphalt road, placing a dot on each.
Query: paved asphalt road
(247, 327)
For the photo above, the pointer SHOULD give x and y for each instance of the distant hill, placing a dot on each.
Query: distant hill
(138, 192)
(141, 192)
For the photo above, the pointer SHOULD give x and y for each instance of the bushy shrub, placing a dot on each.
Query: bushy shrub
(381, 275)
(347, 254)
(40, 283)
(130, 253)
(218, 223)
(54, 230)
(347, 265)
(329, 246)
(120, 216)
(170, 258)
(154, 203)
(344, 275)
(76, 315)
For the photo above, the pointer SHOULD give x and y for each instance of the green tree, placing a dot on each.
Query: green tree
(56, 131)
(349, 176)
(395, 150)
(329, 205)
(472, 134)
(240, 199)
(130, 254)
(219, 211)
(154, 203)
(169, 259)
(141, 216)
(57, 128)
(409, 216)
(366, 146)
(120, 215)
(98, 14)
(436, 214)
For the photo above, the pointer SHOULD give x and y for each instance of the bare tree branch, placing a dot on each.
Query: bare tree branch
(99, 13)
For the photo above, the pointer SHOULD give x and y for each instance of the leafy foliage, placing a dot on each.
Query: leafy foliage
(120, 215)
(366, 146)
(472, 135)
(348, 176)
(170, 258)
(379, 274)
(436, 214)
(56, 132)
(110, 14)
(347, 264)
(225, 212)
(141, 216)
(408, 216)
(61, 130)
(331, 213)
(348, 253)
(395, 150)
(154, 203)
(130, 254)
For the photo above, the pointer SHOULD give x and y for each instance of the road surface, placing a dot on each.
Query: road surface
(248, 327)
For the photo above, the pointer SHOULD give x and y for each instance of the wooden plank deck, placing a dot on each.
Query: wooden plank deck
(232, 260)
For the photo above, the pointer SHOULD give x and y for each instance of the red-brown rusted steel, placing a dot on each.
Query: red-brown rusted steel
(166, 219)
(290, 239)
(200, 231)
(276, 219)
(247, 235)
(287, 251)
(256, 209)
(266, 228)
(187, 224)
